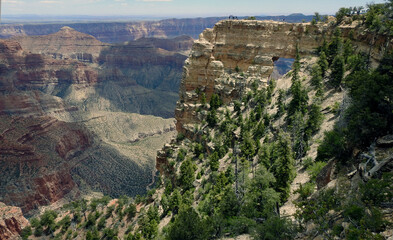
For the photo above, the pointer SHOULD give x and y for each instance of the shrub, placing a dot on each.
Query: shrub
(305, 190)
(333, 145)
(214, 161)
(26, 232)
(315, 169)
(277, 228)
(101, 223)
(376, 191)
(130, 211)
(239, 225)
(187, 226)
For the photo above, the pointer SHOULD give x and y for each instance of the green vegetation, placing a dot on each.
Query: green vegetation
(232, 177)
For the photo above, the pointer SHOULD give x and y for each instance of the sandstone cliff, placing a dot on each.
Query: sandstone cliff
(251, 47)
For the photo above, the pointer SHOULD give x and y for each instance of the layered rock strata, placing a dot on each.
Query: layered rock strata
(227, 58)
(55, 143)
(64, 44)
(11, 222)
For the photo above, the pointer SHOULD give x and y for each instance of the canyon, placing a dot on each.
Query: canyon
(79, 115)
(76, 101)
(78, 119)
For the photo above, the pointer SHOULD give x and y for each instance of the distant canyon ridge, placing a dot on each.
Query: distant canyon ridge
(116, 32)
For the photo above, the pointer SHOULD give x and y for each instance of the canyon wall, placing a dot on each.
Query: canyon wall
(141, 76)
(69, 127)
(246, 51)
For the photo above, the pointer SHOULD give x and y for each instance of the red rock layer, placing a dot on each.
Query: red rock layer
(36, 157)
(12, 222)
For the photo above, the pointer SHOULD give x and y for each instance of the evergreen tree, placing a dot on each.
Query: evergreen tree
(212, 118)
(335, 46)
(175, 201)
(187, 174)
(323, 63)
(215, 102)
(315, 119)
(260, 199)
(280, 103)
(187, 226)
(317, 80)
(347, 50)
(285, 170)
(214, 161)
(299, 100)
(248, 145)
(259, 131)
(229, 205)
(338, 70)
(299, 139)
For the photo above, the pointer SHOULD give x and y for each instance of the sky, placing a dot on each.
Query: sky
(176, 8)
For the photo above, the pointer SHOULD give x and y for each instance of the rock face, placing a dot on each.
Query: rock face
(65, 44)
(11, 222)
(66, 127)
(23, 70)
(141, 76)
(248, 47)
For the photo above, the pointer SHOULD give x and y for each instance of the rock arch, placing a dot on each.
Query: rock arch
(251, 47)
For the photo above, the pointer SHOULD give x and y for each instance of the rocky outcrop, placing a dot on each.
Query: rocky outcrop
(65, 44)
(12, 222)
(249, 48)
(326, 175)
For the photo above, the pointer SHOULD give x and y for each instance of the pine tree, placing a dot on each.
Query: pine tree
(338, 69)
(335, 47)
(248, 145)
(280, 103)
(299, 100)
(315, 119)
(285, 171)
(215, 102)
(187, 226)
(317, 80)
(299, 140)
(323, 63)
(187, 174)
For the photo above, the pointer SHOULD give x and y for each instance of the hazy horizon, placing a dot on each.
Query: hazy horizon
(171, 8)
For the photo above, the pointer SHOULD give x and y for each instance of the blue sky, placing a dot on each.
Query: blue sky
(175, 8)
